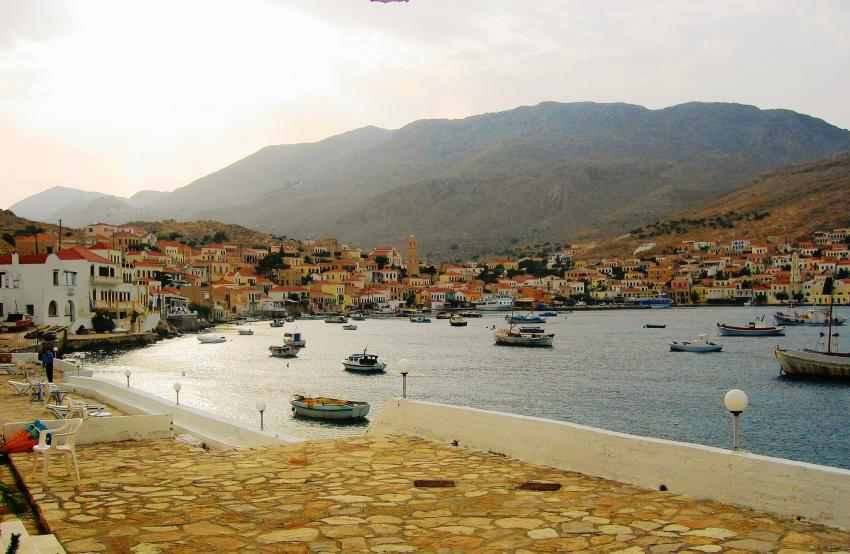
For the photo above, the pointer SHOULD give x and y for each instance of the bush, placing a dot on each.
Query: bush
(102, 323)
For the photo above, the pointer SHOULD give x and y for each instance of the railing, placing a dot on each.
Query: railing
(105, 280)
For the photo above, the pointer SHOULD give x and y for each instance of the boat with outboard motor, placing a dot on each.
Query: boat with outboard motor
(752, 329)
(321, 407)
(519, 319)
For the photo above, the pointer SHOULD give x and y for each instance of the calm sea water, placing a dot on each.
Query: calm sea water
(605, 370)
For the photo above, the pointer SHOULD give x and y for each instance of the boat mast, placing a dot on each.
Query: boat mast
(831, 304)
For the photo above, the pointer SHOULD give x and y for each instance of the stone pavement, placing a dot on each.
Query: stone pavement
(357, 494)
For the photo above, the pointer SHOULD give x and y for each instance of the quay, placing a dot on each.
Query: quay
(158, 493)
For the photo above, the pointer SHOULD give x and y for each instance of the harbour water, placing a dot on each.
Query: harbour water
(605, 370)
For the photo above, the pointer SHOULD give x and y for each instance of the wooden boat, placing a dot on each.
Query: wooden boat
(654, 326)
(294, 339)
(420, 319)
(815, 363)
(444, 315)
(321, 407)
(752, 329)
(457, 321)
(363, 363)
(336, 319)
(246, 331)
(701, 344)
(211, 339)
(530, 318)
(350, 327)
(819, 318)
(285, 351)
(509, 337)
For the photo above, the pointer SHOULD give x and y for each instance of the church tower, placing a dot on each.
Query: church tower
(412, 262)
(796, 285)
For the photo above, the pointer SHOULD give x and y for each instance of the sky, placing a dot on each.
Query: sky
(119, 96)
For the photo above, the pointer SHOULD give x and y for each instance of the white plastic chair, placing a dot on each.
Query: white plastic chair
(62, 442)
(20, 388)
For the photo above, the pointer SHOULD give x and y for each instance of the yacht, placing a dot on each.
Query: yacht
(494, 304)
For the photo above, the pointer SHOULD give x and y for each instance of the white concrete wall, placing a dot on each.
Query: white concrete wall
(214, 430)
(794, 489)
(109, 429)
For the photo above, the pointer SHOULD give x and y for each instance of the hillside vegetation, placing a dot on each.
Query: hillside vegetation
(204, 232)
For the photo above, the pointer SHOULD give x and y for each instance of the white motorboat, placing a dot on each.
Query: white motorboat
(211, 339)
(359, 316)
(328, 408)
(420, 319)
(509, 337)
(285, 351)
(246, 331)
(363, 363)
(336, 319)
(276, 323)
(700, 344)
(294, 339)
(495, 304)
(752, 329)
(457, 321)
(349, 327)
(290, 319)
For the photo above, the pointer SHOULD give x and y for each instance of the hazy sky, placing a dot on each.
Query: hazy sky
(119, 96)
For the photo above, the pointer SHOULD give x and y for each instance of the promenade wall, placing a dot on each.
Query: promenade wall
(792, 489)
(214, 430)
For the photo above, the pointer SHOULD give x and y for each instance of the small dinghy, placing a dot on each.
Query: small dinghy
(336, 319)
(349, 327)
(420, 319)
(290, 319)
(285, 351)
(654, 326)
(246, 331)
(548, 314)
(700, 344)
(321, 407)
(358, 316)
(211, 339)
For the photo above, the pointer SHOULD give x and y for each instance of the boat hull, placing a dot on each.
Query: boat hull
(543, 341)
(211, 340)
(357, 368)
(353, 410)
(812, 364)
(730, 331)
(698, 348)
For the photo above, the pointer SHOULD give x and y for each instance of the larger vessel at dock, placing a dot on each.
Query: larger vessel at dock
(495, 304)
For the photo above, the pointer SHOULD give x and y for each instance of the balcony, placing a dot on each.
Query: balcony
(105, 280)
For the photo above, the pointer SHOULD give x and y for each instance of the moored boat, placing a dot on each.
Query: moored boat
(349, 327)
(457, 321)
(468, 315)
(752, 329)
(359, 316)
(548, 314)
(509, 337)
(443, 315)
(285, 351)
(294, 339)
(818, 318)
(654, 326)
(276, 323)
(420, 319)
(211, 339)
(815, 363)
(290, 319)
(336, 319)
(530, 318)
(321, 407)
(494, 304)
(701, 344)
(246, 331)
(363, 363)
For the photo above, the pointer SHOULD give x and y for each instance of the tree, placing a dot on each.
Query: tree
(102, 323)
(798, 297)
(202, 309)
(782, 296)
(220, 236)
(694, 297)
(271, 263)
(382, 261)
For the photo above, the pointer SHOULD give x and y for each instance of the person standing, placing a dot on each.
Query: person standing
(47, 361)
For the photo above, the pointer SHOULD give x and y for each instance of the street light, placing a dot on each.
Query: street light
(261, 407)
(404, 366)
(127, 374)
(80, 362)
(177, 390)
(736, 402)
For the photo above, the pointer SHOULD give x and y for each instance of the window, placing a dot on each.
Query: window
(30, 309)
(1, 309)
(71, 278)
(55, 277)
(52, 309)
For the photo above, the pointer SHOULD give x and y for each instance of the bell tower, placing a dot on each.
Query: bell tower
(412, 261)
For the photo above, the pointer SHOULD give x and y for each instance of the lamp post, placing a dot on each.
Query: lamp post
(404, 368)
(736, 402)
(261, 407)
(177, 390)
(127, 374)
(80, 363)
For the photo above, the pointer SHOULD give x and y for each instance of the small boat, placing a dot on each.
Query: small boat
(819, 318)
(294, 339)
(548, 314)
(211, 339)
(530, 318)
(246, 331)
(659, 301)
(815, 363)
(328, 408)
(700, 344)
(469, 315)
(336, 319)
(531, 329)
(654, 326)
(358, 316)
(509, 337)
(276, 323)
(303, 316)
(363, 363)
(285, 351)
(495, 304)
(752, 329)
(420, 319)
(457, 321)
(350, 327)
(748, 303)
(443, 315)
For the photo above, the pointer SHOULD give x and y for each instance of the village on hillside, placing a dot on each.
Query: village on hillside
(117, 277)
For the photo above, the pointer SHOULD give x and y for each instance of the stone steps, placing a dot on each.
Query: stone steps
(29, 544)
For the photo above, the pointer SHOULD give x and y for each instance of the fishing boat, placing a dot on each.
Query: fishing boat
(383, 310)
(285, 351)
(276, 323)
(468, 315)
(336, 319)
(658, 301)
(294, 339)
(363, 363)
(819, 318)
(815, 363)
(654, 326)
(211, 339)
(349, 327)
(530, 318)
(290, 319)
(536, 329)
(494, 304)
(457, 321)
(420, 319)
(509, 337)
(752, 329)
(444, 315)
(548, 314)
(321, 407)
(246, 331)
(359, 316)
(701, 344)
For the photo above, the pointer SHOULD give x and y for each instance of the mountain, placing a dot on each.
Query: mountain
(145, 198)
(41, 206)
(11, 225)
(788, 203)
(480, 183)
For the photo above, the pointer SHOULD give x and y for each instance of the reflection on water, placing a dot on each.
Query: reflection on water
(605, 370)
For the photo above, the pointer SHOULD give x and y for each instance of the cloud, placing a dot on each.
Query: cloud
(33, 20)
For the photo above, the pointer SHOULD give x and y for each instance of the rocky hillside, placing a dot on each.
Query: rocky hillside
(203, 232)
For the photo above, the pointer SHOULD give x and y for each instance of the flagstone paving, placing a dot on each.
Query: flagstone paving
(357, 495)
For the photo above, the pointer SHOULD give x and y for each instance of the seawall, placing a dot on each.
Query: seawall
(788, 488)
